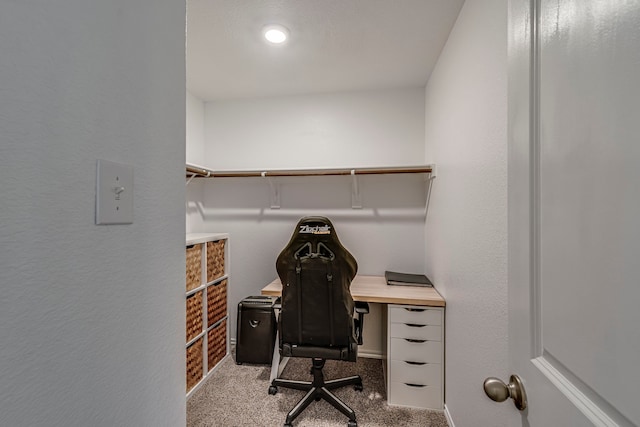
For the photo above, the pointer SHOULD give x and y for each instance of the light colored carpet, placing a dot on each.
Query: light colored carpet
(237, 395)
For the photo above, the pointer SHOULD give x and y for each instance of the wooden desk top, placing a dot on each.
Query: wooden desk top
(375, 289)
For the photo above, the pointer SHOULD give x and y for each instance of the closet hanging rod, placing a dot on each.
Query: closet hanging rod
(200, 172)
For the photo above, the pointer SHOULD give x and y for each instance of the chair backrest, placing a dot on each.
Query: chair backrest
(316, 272)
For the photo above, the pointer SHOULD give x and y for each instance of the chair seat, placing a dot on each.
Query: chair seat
(309, 351)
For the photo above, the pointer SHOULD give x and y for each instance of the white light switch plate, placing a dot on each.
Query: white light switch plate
(114, 193)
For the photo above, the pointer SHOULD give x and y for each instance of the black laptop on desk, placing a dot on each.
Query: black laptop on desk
(406, 279)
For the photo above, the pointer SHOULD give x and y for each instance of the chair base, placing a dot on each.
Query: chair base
(318, 389)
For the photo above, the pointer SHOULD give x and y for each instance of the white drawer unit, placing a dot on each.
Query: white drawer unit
(415, 356)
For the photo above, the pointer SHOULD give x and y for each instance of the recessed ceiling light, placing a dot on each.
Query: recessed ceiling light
(276, 34)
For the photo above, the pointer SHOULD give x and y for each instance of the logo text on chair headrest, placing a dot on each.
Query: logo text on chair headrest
(318, 229)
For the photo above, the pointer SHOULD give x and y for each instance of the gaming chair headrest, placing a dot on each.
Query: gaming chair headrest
(316, 236)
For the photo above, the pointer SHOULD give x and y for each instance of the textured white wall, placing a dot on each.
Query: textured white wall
(194, 204)
(91, 317)
(369, 128)
(333, 130)
(195, 130)
(195, 143)
(466, 228)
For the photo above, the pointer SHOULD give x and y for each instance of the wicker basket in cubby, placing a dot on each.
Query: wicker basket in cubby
(194, 363)
(194, 266)
(217, 343)
(194, 315)
(216, 302)
(215, 259)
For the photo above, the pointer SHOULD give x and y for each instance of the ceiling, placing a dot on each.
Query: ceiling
(335, 45)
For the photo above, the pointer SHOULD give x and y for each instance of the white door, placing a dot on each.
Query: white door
(574, 210)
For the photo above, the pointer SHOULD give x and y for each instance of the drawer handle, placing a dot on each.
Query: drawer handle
(415, 385)
(415, 341)
(414, 325)
(415, 363)
(419, 310)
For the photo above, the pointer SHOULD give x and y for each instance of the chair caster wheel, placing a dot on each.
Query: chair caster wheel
(273, 389)
(357, 387)
(288, 425)
(352, 424)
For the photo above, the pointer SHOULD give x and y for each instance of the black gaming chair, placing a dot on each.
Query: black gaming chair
(317, 318)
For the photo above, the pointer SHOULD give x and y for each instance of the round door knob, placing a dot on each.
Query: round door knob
(498, 391)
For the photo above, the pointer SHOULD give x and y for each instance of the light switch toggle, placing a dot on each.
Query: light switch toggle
(114, 193)
(118, 190)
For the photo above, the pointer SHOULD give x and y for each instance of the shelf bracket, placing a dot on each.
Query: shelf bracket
(190, 179)
(430, 176)
(356, 200)
(274, 193)
(429, 183)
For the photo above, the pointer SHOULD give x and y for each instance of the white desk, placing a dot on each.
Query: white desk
(415, 339)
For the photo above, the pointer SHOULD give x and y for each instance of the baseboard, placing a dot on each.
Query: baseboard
(448, 416)
(369, 354)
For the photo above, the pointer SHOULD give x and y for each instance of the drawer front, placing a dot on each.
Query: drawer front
(426, 351)
(415, 314)
(415, 331)
(404, 394)
(426, 374)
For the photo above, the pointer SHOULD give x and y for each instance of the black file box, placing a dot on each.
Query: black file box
(256, 330)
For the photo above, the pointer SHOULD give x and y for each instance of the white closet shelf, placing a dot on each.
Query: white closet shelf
(194, 171)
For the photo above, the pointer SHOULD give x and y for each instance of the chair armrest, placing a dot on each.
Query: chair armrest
(361, 308)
